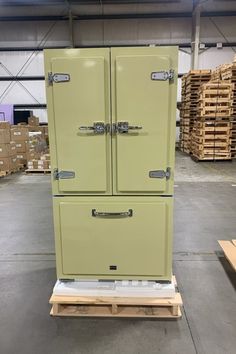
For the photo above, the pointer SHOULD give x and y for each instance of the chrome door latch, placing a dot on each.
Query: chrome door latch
(96, 128)
(63, 174)
(163, 75)
(58, 77)
(102, 128)
(124, 127)
(160, 173)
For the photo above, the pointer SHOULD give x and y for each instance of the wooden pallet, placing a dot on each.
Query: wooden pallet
(225, 98)
(105, 306)
(202, 148)
(217, 85)
(199, 72)
(31, 170)
(5, 173)
(197, 158)
(210, 142)
(216, 123)
(201, 134)
(219, 131)
(215, 112)
(229, 249)
(213, 117)
(9, 172)
(216, 74)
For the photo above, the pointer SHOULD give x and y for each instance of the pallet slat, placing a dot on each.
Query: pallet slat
(229, 249)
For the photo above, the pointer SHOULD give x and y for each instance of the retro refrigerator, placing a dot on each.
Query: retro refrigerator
(112, 114)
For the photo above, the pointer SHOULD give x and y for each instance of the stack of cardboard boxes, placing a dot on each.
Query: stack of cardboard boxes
(23, 144)
(42, 164)
(33, 125)
(8, 160)
(20, 135)
(39, 158)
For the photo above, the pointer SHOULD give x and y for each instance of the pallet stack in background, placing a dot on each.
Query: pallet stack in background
(228, 72)
(211, 134)
(8, 160)
(191, 83)
(223, 112)
(23, 143)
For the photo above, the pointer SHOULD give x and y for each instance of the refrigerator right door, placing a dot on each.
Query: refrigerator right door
(144, 85)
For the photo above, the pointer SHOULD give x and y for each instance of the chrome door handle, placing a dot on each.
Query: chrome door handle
(104, 214)
(97, 128)
(124, 127)
(135, 127)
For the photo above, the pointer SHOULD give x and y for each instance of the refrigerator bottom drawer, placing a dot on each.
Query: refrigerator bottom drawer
(113, 237)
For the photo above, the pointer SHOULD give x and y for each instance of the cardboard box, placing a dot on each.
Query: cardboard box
(7, 150)
(19, 133)
(45, 157)
(4, 125)
(45, 130)
(32, 155)
(43, 164)
(5, 164)
(36, 129)
(32, 164)
(22, 146)
(33, 120)
(22, 158)
(5, 136)
(8, 163)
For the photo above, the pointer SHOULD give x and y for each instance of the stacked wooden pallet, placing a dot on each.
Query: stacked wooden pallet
(228, 72)
(190, 97)
(216, 73)
(211, 134)
(184, 127)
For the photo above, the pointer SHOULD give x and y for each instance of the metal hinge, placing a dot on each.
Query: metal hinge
(163, 75)
(160, 173)
(58, 78)
(63, 174)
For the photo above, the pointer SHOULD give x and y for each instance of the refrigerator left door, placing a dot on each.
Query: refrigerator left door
(78, 99)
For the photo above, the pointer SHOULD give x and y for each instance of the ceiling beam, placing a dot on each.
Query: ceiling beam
(22, 78)
(118, 16)
(180, 45)
(30, 106)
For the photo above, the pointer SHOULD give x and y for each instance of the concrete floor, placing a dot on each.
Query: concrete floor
(205, 210)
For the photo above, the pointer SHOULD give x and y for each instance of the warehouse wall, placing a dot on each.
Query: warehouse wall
(108, 32)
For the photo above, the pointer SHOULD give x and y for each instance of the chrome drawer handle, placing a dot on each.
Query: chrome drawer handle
(103, 214)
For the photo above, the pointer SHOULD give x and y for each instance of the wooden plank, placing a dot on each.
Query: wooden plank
(216, 100)
(229, 251)
(106, 300)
